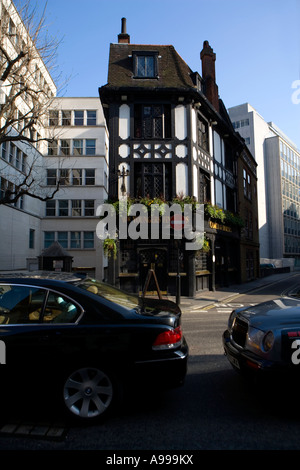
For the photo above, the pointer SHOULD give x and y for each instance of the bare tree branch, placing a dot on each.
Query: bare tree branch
(27, 90)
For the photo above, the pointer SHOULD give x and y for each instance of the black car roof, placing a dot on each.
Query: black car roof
(42, 275)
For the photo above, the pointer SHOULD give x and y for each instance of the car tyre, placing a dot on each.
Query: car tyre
(89, 393)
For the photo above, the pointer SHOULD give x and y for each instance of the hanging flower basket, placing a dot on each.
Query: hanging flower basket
(110, 247)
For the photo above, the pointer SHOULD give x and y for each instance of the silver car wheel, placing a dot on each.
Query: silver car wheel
(88, 393)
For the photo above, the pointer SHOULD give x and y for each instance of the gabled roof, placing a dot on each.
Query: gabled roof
(173, 72)
(55, 250)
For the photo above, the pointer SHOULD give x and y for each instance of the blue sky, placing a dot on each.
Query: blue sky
(257, 44)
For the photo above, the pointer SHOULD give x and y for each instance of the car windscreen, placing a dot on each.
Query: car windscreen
(110, 293)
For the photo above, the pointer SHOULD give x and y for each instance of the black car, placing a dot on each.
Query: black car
(265, 338)
(84, 341)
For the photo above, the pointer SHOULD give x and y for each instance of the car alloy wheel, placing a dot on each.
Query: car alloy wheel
(88, 393)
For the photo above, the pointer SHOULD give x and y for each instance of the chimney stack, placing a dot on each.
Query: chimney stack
(208, 58)
(123, 37)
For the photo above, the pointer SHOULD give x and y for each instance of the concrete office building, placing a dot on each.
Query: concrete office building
(78, 159)
(278, 185)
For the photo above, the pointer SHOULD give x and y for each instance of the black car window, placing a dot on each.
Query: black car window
(60, 309)
(20, 304)
(110, 293)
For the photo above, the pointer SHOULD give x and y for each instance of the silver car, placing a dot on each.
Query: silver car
(265, 337)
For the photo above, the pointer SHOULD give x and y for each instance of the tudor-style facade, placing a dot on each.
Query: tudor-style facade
(170, 137)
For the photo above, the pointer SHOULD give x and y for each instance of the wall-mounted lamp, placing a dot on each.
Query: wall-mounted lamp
(122, 174)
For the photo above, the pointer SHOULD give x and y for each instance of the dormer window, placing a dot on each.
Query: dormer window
(145, 64)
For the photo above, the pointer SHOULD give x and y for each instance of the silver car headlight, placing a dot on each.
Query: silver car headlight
(259, 341)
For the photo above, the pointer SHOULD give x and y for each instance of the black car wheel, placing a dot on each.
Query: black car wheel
(88, 393)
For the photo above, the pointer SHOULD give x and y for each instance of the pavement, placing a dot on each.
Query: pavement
(205, 299)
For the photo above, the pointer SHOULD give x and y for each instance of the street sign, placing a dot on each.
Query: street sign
(177, 222)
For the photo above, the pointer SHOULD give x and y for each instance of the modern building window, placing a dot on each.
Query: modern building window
(89, 177)
(75, 241)
(89, 208)
(76, 177)
(53, 118)
(24, 163)
(62, 238)
(64, 177)
(49, 238)
(90, 146)
(18, 158)
(91, 118)
(65, 147)
(53, 147)
(63, 208)
(51, 177)
(152, 121)
(76, 208)
(78, 118)
(71, 240)
(50, 209)
(3, 187)
(31, 238)
(88, 239)
(4, 150)
(66, 118)
(77, 147)
(145, 65)
(12, 150)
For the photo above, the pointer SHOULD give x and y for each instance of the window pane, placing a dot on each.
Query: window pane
(12, 153)
(145, 66)
(50, 208)
(53, 148)
(62, 238)
(31, 238)
(78, 118)
(75, 240)
(53, 118)
(90, 147)
(49, 238)
(4, 150)
(63, 208)
(65, 147)
(88, 240)
(89, 210)
(76, 177)
(51, 177)
(24, 163)
(64, 178)
(20, 304)
(91, 117)
(78, 147)
(60, 309)
(18, 158)
(66, 118)
(76, 208)
(89, 177)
